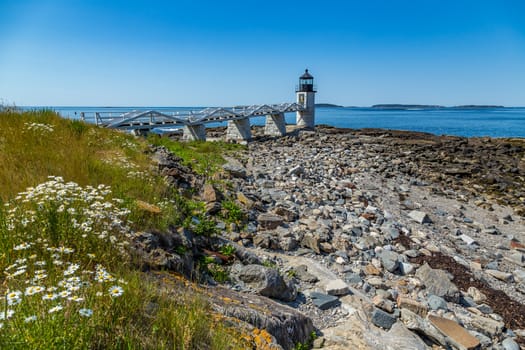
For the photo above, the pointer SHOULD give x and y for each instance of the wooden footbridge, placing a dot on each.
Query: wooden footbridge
(193, 123)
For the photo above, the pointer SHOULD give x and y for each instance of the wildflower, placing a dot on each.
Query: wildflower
(91, 256)
(49, 296)
(7, 314)
(71, 269)
(14, 297)
(32, 290)
(10, 267)
(116, 291)
(76, 299)
(64, 294)
(21, 261)
(18, 272)
(55, 309)
(40, 263)
(22, 246)
(30, 319)
(40, 276)
(85, 312)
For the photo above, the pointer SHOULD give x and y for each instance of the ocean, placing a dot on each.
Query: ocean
(493, 122)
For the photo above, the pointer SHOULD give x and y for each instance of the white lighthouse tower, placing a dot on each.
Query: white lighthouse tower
(306, 96)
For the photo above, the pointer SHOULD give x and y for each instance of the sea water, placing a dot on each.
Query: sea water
(493, 122)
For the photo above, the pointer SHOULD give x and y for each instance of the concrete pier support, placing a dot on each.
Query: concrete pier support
(194, 132)
(305, 119)
(239, 130)
(275, 125)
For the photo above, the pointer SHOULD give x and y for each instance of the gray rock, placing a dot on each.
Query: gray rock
(297, 170)
(286, 324)
(389, 260)
(411, 253)
(235, 170)
(400, 337)
(269, 221)
(493, 265)
(420, 217)
(301, 272)
(324, 301)
(486, 325)
(510, 344)
(467, 301)
(337, 287)
(437, 282)
(491, 231)
(436, 303)
(267, 282)
(311, 241)
(288, 243)
(406, 268)
(476, 294)
(483, 339)
(467, 239)
(485, 309)
(416, 323)
(517, 258)
(503, 276)
(519, 275)
(382, 319)
(353, 278)
(246, 256)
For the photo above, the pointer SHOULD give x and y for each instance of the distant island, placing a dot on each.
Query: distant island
(399, 106)
(403, 106)
(410, 106)
(477, 106)
(326, 105)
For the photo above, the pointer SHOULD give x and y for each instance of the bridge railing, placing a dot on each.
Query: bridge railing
(143, 118)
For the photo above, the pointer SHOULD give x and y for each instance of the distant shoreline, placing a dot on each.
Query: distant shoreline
(398, 106)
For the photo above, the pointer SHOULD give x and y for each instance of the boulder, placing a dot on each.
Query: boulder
(235, 170)
(210, 194)
(287, 325)
(438, 282)
(324, 301)
(337, 287)
(420, 217)
(382, 319)
(267, 282)
(311, 241)
(455, 333)
(389, 260)
(268, 221)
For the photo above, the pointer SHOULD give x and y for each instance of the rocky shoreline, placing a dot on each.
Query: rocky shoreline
(376, 239)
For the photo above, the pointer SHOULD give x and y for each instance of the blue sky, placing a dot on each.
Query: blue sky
(204, 53)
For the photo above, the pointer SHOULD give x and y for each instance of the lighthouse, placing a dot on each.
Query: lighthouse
(306, 97)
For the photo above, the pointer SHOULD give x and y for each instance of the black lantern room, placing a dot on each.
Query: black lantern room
(306, 83)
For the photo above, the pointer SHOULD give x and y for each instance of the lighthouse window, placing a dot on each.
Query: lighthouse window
(301, 98)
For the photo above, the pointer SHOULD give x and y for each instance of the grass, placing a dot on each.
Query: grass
(70, 194)
(205, 158)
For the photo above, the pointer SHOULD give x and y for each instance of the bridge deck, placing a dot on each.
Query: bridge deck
(150, 119)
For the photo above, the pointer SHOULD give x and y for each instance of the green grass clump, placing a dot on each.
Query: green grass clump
(204, 158)
(69, 204)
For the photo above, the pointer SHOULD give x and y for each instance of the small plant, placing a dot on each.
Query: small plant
(270, 264)
(227, 250)
(205, 227)
(291, 273)
(232, 213)
(218, 272)
(308, 344)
